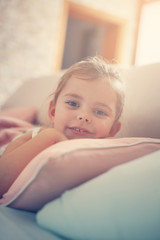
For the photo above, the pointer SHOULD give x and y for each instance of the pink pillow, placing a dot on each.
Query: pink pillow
(68, 164)
(24, 113)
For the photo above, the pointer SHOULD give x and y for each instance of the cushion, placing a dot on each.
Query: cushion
(120, 204)
(24, 113)
(70, 163)
(141, 115)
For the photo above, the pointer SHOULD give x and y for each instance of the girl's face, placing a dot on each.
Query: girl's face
(85, 109)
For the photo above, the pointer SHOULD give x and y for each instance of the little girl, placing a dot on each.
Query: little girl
(87, 103)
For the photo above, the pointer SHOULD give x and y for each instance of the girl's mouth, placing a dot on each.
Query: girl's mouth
(79, 131)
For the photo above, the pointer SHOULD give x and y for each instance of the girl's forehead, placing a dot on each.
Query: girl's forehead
(90, 89)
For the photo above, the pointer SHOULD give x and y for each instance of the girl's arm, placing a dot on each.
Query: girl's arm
(20, 152)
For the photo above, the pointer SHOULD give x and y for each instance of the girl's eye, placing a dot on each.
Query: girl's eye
(72, 103)
(100, 113)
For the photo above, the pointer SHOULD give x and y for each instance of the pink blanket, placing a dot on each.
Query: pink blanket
(10, 128)
(14, 122)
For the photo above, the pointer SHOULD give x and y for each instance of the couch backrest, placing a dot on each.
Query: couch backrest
(141, 116)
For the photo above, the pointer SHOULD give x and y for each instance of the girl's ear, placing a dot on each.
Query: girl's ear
(51, 111)
(115, 129)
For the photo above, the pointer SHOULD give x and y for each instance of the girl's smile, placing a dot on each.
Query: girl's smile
(79, 131)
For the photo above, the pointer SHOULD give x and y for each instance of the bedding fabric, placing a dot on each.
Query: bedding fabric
(11, 126)
(21, 225)
(123, 204)
(68, 164)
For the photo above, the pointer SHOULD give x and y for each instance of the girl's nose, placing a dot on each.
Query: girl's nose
(84, 118)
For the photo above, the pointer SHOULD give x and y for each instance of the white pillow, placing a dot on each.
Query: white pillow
(123, 203)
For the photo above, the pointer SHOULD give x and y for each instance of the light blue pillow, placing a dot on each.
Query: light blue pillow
(123, 203)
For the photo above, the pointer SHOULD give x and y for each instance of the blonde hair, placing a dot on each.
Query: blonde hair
(95, 68)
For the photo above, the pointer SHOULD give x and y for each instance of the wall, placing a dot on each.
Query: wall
(148, 50)
(29, 37)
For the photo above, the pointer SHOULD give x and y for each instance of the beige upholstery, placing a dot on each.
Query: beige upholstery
(141, 116)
